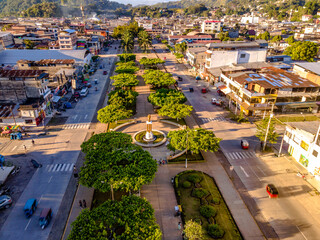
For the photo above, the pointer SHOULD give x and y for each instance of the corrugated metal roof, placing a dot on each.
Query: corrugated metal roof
(310, 66)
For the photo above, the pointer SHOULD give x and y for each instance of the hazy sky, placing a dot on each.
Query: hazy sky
(137, 2)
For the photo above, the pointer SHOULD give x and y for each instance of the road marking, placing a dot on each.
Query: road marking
(40, 199)
(247, 175)
(262, 171)
(50, 179)
(71, 167)
(14, 148)
(50, 168)
(75, 116)
(67, 167)
(302, 233)
(55, 166)
(62, 168)
(28, 224)
(85, 117)
(58, 168)
(254, 172)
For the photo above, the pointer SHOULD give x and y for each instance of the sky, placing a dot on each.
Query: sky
(144, 2)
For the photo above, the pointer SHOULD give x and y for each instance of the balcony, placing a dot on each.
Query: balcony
(252, 94)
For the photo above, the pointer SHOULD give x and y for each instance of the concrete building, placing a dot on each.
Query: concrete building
(256, 90)
(179, 38)
(211, 26)
(67, 39)
(304, 145)
(196, 56)
(6, 39)
(308, 70)
(223, 54)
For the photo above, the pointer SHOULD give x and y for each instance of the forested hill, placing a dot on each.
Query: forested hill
(50, 8)
(189, 3)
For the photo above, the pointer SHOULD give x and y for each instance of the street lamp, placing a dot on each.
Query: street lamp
(265, 138)
(187, 150)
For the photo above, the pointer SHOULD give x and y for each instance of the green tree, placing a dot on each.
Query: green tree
(179, 56)
(29, 44)
(125, 80)
(164, 41)
(165, 96)
(290, 40)
(113, 113)
(176, 110)
(193, 230)
(126, 98)
(127, 57)
(158, 78)
(151, 62)
(125, 168)
(199, 139)
(262, 130)
(305, 51)
(276, 39)
(131, 218)
(265, 36)
(127, 41)
(181, 47)
(144, 40)
(126, 69)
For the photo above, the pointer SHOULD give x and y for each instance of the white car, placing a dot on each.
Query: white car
(213, 100)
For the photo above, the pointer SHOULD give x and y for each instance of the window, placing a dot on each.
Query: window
(28, 121)
(304, 145)
(243, 55)
(315, 153)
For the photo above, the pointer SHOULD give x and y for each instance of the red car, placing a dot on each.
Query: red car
(203, 90)
(244, 144)
(272, 191)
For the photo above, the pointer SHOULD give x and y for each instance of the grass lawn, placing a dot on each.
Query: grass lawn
(190, 205)
(139, 137)
(190, 157)
(114, 124)
(298, 118)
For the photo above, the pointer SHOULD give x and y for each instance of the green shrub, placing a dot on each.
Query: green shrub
(186, 184)
(195, 178)
(208, 211)
(200, 192)
(215, 201)
(215, 231)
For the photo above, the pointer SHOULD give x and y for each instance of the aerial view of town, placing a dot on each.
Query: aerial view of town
(159, 120)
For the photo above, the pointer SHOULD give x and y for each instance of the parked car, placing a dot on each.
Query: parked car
(76, 94)
(180, 79)
(191, 89)
(105, 72)
(84, 92)
(244, 144)
(30, 207)
(35, 163)
(203, 90)
(272, 191)
(213, 101)
(218, 102)
(45, 217)
(5, 201)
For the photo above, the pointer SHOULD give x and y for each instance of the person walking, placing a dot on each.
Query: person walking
(80, 203)
(32, 142)
(25, 148)
(179, 225)
(84, 203)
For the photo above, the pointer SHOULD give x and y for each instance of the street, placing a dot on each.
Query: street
(295, 214)
(58, 153)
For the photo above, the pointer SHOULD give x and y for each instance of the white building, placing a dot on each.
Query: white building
(304, 145)
(250, 19)
(211, 26)
(223, 54)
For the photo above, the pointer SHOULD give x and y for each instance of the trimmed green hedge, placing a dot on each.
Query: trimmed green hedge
(208, 211)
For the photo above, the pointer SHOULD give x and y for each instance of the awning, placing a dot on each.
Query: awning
(56, 99)
(302, 105)
(226, 90)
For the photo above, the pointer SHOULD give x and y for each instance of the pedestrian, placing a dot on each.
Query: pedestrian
(179, 225)
(160, 162)
(32, 142)
(163, 162)
(25, 148)
(80, 203)
(84, 203)
(261, 144)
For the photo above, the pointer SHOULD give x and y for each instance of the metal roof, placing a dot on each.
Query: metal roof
(310, 66)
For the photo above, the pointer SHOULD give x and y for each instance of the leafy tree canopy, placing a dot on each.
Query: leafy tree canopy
(125, 80)
(158, 78)
(45, 9)
(262, 130)
(199, 139)
(193, 230)
(165, 96)
(113, 113)
(305, 51)
(181, 47)
(176, 110)
(149, 62)
(126, 69)
(144, 40)
(126, 98)
(130, 218)
(130, 63)
(127, 57)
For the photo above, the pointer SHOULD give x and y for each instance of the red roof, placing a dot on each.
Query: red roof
(210, 21)
(191, 37)
(20, 73)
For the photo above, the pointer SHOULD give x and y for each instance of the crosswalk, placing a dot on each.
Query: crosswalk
(60, 167)
(76, 126)
(215, 119)
(20, 148)
(240, 155)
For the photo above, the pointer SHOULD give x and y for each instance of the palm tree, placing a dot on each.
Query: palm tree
(144, 40)
(127, 41)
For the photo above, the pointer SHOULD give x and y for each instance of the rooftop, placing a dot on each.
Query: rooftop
(310, 66)
(234, 45)
(190, 37)
(21, 73)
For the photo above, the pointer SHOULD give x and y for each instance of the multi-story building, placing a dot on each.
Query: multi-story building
(308, 70)
(196, 56)
(304, 145)
(255, 91)
(67, 39)
(211, 26)
(179, 38)
(6, 39)
(223, 54)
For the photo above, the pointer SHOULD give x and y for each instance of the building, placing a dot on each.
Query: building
(211, 26)
(255, 90)
(196, 56)
(223, 54)
(179, 38)
(304, 145)
(308, 70)
(306, 18)
(6, 39)
(98, 32)
(67, 39)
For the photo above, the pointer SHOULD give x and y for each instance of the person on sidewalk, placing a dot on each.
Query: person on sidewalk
(80, 203)
(84, 203)
(179, 225)
(32, 142)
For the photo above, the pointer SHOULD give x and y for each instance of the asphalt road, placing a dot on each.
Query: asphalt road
(57, 152)
(293, 215)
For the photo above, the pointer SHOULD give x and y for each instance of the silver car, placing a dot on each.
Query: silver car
(5, 201)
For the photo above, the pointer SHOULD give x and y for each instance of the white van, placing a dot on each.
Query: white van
(84, 92)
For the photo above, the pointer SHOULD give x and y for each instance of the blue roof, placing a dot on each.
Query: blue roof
(69, 31)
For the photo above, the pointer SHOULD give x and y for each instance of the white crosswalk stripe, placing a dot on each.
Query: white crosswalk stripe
(240, 155)
(216, 119)
(76, 126)
(60, 167)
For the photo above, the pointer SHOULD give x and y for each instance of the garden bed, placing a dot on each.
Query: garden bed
(119, 122)
(190, 157)
(200, 191)
(159, 137)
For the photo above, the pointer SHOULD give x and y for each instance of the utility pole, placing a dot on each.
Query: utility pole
(265, 139)
(279, 154)
(187, 150)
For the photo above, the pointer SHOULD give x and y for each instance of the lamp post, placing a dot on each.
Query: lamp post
(265, 138)
(187, 150)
